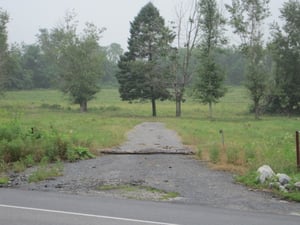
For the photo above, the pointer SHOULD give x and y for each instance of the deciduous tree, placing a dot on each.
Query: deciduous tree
(285, 47)
(247, 17)
(187, 26)
(79, 59)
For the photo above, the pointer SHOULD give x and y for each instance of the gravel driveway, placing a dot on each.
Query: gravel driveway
(192, 179)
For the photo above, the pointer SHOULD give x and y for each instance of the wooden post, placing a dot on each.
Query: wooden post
(222, 138)
(298, 149)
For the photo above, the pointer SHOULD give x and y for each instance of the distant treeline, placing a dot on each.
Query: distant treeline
(29, 68)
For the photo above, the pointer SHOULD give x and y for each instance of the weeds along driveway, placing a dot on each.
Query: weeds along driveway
(191, 179)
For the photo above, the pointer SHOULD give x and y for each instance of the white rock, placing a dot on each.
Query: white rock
(265, 172)
(282, 189)
(283, 178)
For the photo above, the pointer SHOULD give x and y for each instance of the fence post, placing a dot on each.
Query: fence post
(298, 149)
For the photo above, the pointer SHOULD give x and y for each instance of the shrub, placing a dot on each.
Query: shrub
(30, 146)
(78, 153)
(56, 148)
(10, 131)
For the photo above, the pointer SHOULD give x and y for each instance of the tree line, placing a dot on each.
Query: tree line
(163, 61)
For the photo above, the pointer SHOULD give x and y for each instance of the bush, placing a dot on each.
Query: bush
(30, 146)
(78, 153)
(10, 131)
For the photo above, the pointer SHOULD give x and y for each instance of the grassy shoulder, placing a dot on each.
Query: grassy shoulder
(46, 171)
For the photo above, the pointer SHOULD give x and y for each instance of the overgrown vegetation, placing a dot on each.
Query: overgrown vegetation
(22, 146)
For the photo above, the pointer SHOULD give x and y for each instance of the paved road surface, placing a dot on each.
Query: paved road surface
(42, 208)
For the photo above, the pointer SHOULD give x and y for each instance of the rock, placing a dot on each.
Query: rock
(288, 186)
(297, 186)
(282, 189)
(265, 172)
(274, 185)
(59, 186)
(283, 178)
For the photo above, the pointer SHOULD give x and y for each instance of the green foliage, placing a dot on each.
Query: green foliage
(79, 153)
(143, 68)
(209, 87)
(247, 19)
(19, 166)
(78, 59)
(4, 180)
(26, 147)
(113, 53)
(285, 94)
(45, 172)
(249, 179)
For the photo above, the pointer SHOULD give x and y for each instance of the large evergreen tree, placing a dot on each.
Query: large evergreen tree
(143, 71)
(285, 46)
(209, 87)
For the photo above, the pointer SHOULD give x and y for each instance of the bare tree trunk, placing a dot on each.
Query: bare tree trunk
(187, 38)
(153, 107)
(256, 109)
(210, 110)
(178, 107)
(179, 94)
(83, 106)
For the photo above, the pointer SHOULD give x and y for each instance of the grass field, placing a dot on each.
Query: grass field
(248, 143)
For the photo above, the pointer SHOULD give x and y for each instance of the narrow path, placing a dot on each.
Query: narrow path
(151, 138)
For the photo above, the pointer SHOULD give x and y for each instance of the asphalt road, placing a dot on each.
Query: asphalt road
(43, 208)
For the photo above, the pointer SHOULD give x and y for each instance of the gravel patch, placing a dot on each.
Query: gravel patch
(191, 178)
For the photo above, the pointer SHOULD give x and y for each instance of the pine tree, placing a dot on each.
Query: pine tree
(143, 72)
(209, 87)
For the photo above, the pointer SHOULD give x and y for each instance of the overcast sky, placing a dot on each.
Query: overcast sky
(28, 16)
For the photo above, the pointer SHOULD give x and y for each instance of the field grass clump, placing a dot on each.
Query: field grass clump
(46, 171)
(4, 180)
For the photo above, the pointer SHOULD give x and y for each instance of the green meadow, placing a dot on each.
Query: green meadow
(244, 144)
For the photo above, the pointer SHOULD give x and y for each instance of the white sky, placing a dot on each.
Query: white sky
(28, 16)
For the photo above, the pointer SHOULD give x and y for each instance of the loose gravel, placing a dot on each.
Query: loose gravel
(191, 178)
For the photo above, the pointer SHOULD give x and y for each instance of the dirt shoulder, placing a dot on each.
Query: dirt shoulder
(192, 179)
